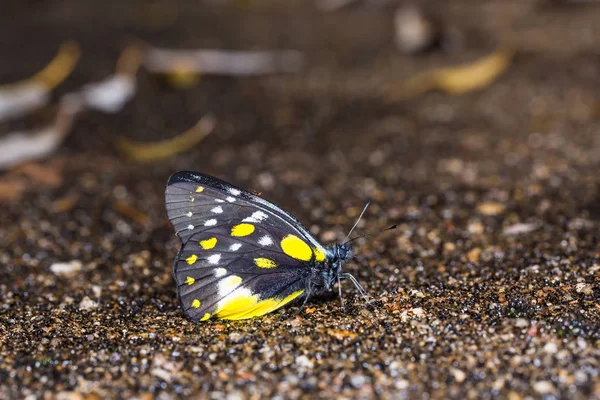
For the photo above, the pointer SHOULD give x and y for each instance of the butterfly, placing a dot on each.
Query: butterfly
(241, 255)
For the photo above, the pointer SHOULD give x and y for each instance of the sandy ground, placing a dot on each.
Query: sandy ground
(488, 288)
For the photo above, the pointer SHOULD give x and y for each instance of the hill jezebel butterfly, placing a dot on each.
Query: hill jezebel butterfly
(241, 255)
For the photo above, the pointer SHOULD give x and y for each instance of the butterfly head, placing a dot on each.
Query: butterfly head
(340, 254)
(332, 269)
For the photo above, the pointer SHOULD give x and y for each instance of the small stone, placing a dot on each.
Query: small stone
(87, 304)
(235, 337)
(449, 246)
(66, 269)
(474, 255)
(413, 313)
(550, 348)
(518, 229)
(475, 228)
(341, 334)
(69, 396)
(584, 288)
(514, 396)
(304, 362)
(459, 375)
(521, 323)
(358, 380)
(543, 387)
(417, 293)
(402, 384)
(491, 208)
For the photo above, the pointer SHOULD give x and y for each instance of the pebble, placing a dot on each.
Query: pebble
(543, 387)
(87, 304)
(491, 208)
(66, 269)
(304, 362)
(518, 229)
(459, 375)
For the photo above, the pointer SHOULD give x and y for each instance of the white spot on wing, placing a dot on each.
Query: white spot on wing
(234, 192)
(230, 199)
(256, 216)
(217, 210)
(210, 222)
(265, 241)
(235, 246)
(214, 259)
(226, 291)
(219, 272)
(219, 201)
(226, 285)
(190, 227)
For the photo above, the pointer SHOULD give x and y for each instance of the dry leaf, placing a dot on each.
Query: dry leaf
(12, 189)
(223, 62)
(132, 213)
(49, 174)
(19, 98)
(167, 148)
(459, 79)
(18, 147)
(66, 203)
(111, 94)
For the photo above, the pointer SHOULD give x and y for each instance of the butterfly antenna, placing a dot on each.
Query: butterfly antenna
(357, 221)
(372, 233)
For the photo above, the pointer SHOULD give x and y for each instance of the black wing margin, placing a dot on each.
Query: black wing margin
(175, 195)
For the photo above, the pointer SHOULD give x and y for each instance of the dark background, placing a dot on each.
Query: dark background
(462, 307)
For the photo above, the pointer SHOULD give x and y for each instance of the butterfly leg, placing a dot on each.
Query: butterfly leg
(340, 291)
(358, 286)
(309, 287)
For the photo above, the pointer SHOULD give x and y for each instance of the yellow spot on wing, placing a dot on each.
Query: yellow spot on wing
(205, 317)
(319, 256)
(208, 243)
(196, 303)
(191, 259)
(242, 230)
(296, 248)
(199, 189)
(189, 280)
(264, 262)
(245, 305)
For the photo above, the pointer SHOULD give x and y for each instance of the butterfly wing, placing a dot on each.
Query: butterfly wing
(241, 255)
